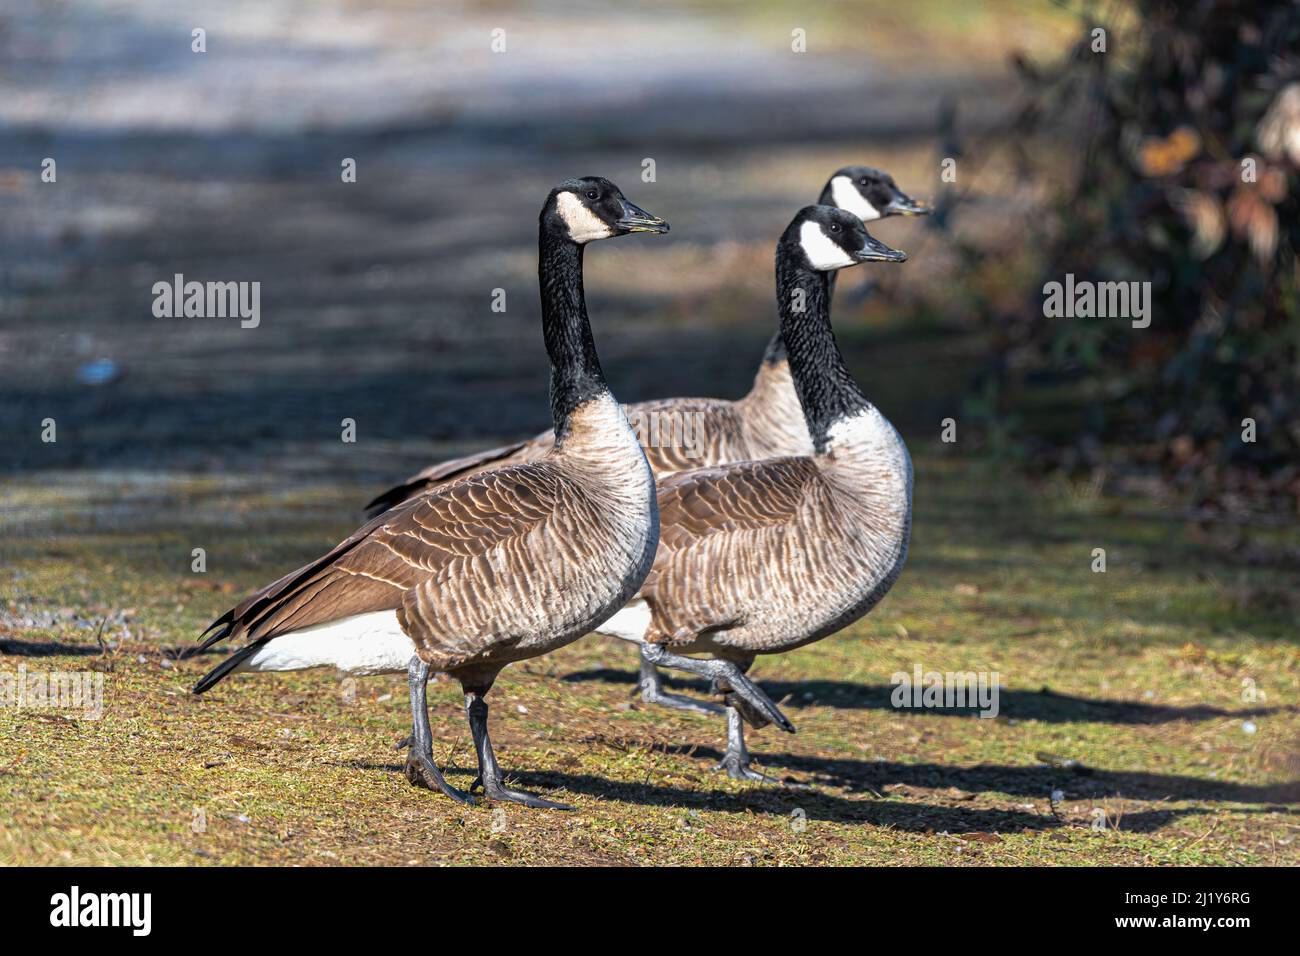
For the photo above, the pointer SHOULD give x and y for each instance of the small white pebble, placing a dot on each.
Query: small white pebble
(1148, 694)
(383, 697)
(1249, 726)
(521, 708)
(242, 818)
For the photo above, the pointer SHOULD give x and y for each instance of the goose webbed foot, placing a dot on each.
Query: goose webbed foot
(490, 777)
(728, 677)
(743, 771)
(652, 692)
(499, 791)
(420, 769)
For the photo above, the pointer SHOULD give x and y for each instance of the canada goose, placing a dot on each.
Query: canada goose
(760, 557)
(766, 423)
(505, 565)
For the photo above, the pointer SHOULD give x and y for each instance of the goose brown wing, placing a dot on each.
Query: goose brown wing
(375, 568)
(718, 528)
(683, 434)
(743, 496)
(446, 471)
(677, 434)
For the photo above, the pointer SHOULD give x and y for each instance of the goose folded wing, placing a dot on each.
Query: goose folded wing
(446, 471)
(375, 568)
(744, 496)
(681, 434)
(714, 523)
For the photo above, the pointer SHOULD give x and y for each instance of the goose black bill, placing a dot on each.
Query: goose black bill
(636, 219)
(873, 250)
(904, 205)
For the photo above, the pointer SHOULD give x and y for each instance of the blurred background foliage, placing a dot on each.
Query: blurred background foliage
(1123, 165)
(1178, 164)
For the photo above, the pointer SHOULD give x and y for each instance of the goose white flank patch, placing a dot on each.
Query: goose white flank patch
(629, 624)
(362, 645)
(503, 565)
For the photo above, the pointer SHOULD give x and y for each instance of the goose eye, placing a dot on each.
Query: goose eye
(864, 181)
(835, 227)
(592, 194)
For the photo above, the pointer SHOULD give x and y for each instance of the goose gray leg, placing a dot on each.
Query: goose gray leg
(420, 768)
(736, 760)
(726, 674)
(652, 692)
(489, 772)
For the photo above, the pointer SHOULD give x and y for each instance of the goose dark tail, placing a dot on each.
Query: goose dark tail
(212, 677)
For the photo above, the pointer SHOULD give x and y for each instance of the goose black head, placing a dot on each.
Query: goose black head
(869, 194)
(590, 208)
(825, 238)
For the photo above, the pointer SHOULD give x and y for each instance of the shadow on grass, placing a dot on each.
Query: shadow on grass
(1045, 705)
(48, 649)
(1031, 781)
(911, 817)
(908, 816)
(175, 652)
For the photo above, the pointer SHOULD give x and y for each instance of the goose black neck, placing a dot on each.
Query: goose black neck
(576, 376)
(775, 352)
(826, 390)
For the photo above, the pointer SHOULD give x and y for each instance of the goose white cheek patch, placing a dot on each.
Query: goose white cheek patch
(583, 224)
(822, 251)
(848, 198)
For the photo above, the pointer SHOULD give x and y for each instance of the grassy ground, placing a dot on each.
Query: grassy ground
(1158, 698)
(1135, 675)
